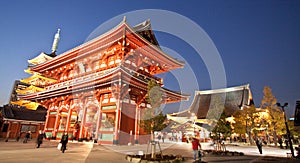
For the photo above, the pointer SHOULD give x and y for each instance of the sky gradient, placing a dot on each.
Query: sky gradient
(258, 41)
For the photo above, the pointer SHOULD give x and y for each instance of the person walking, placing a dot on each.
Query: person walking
(196, 150)
(64, 142)
(18, 137)
(259, 145)
(280, 142)
(40, 138)
(27, 136)
(223, 146)
(7, 136)
(159, 137)
(286, 141)
(298, 152)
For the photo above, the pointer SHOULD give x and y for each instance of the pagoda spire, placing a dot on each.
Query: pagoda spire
(55, 42)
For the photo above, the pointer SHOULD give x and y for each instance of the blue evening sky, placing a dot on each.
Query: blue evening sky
(258, 41)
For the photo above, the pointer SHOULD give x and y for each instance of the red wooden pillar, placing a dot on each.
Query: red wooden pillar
(139, 122)
(49, 107)
(82, 128)
(9, 130)
(68, 118)
(117, 95)
(18, 131)
(55, 129)
(136, 123)
(47, 119)
(117, 122)
(99, 116)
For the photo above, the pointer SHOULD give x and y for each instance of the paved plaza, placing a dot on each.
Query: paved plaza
(87, 152)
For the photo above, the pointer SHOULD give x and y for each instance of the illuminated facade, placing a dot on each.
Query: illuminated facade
(98, 90)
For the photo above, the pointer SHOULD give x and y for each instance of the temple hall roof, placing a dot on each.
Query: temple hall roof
(21, 113)
(139, 35)
(145, 30)
(228, 100)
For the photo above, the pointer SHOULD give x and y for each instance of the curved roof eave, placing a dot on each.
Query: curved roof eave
(187, 96)
(145, 26)
(223, 90)
(132, 30)
(114, 29)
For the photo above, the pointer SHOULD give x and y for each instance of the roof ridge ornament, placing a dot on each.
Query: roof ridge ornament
(55, 42)
(124, 19)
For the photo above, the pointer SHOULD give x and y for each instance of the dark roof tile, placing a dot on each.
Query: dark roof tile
(21, 113)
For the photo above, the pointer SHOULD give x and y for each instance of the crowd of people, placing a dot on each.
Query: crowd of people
(219, 145)
(196, 146)
(40, 137)
(169, 137)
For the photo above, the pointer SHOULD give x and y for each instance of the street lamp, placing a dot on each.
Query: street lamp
(287, 127)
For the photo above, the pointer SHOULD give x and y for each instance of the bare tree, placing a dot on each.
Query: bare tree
(153, 117)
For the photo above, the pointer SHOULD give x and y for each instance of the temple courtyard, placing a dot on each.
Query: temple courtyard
(88, 152)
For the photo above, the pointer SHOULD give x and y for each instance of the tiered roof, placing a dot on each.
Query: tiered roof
(139, 37)
(121, 32)
(41, 58)
(38, 80)
(34, 83)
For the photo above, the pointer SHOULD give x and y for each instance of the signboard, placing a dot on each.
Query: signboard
(109, 107)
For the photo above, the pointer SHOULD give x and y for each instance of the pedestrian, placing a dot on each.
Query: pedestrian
(286, 141)
(7, 136)
(159, 137)
(64, 142)
(298, 151)
(218, 145)
(40, 138)
(73, 137)
(259, 145)
(196, 150)
(280, 142)
(223, 146)
(27, 136)
(18, 137)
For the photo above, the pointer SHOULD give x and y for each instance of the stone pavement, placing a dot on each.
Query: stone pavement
(86, 152)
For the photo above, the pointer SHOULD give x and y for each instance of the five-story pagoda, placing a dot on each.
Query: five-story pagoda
(98, 89)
